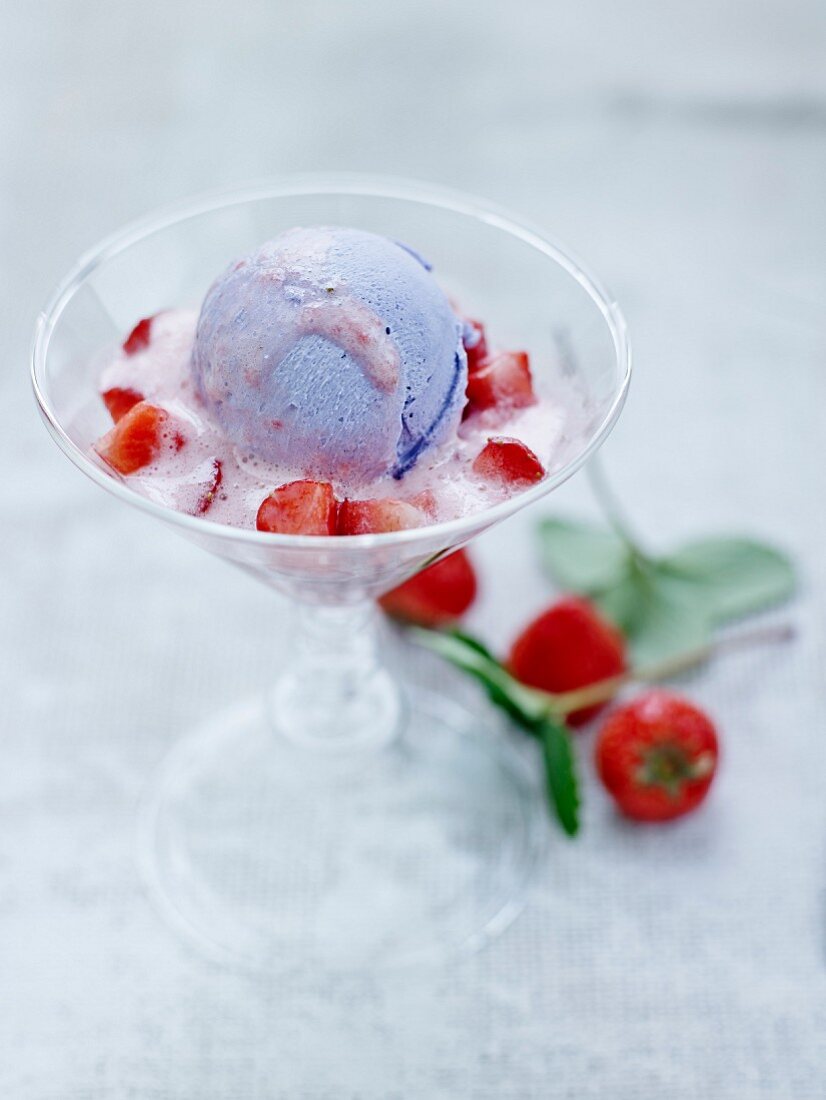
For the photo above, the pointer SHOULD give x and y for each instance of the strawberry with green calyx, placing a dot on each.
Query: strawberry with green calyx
(543, 714)
(667, 608)
(657, 756)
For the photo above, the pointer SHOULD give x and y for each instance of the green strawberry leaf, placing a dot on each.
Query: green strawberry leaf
(582, 558)
(658, 617)
(472, 642)
(669, 605)
(526, 708)
(731, 576)
(561, 783)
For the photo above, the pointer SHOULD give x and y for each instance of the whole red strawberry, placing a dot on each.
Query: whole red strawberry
(657, 756)
(438, 595)
(569, 646)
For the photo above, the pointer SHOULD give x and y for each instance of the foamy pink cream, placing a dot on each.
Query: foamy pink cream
(179, 480)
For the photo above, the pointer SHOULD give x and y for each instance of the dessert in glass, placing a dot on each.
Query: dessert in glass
(333, 383)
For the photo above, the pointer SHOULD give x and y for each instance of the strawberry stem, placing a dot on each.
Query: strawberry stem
(611, 507)
(566, 702)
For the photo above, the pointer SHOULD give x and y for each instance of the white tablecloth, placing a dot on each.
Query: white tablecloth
(682, 149)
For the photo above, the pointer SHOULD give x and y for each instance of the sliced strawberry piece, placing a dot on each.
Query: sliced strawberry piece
(206, 500)
(369, 517)
(504, 379)
(119, 401)
(508, 460)
(192, 490)
(138, 338)
(139, 437)
(476, 345)
(426, 502)
(438, 595)
(299, 508)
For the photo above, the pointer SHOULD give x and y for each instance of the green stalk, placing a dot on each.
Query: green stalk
(611, 507)
(565, 703)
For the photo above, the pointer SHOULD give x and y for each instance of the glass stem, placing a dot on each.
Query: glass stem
(334, 694)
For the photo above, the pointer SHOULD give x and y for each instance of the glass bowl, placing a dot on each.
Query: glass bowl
(338, 821)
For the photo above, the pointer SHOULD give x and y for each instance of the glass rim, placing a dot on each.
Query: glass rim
(352, 183)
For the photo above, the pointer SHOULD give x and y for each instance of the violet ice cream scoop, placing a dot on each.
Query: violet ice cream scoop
(333, 352)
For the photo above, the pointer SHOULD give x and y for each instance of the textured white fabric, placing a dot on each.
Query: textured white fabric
(682, 149)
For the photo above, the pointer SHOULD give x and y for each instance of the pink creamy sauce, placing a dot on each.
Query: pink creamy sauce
(180, 479)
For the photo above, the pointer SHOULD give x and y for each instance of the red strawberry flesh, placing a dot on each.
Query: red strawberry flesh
(657, 755)
(206, 501)
(370, 517)
(138, 338)
(139, 437)
(503, 380)
(438, 595)
(120, 400)
(508, 461)
(568, 646)
(476, 345)
(299, 508)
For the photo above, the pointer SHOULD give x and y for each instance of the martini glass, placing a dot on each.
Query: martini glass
(339, 821)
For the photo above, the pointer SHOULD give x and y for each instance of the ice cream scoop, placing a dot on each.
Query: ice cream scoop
(331, 351)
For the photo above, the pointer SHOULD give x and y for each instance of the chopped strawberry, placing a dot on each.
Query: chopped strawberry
(426, 501)
(206, 500)
(139, 437)
(299, 508)
(568, 646)
(504, 379)
(440, 594)
(368, 517)
(508, 460)
(138, 338)
(476, 345)
(119, 401)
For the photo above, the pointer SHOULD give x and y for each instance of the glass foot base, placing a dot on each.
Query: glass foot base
(273, 857)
